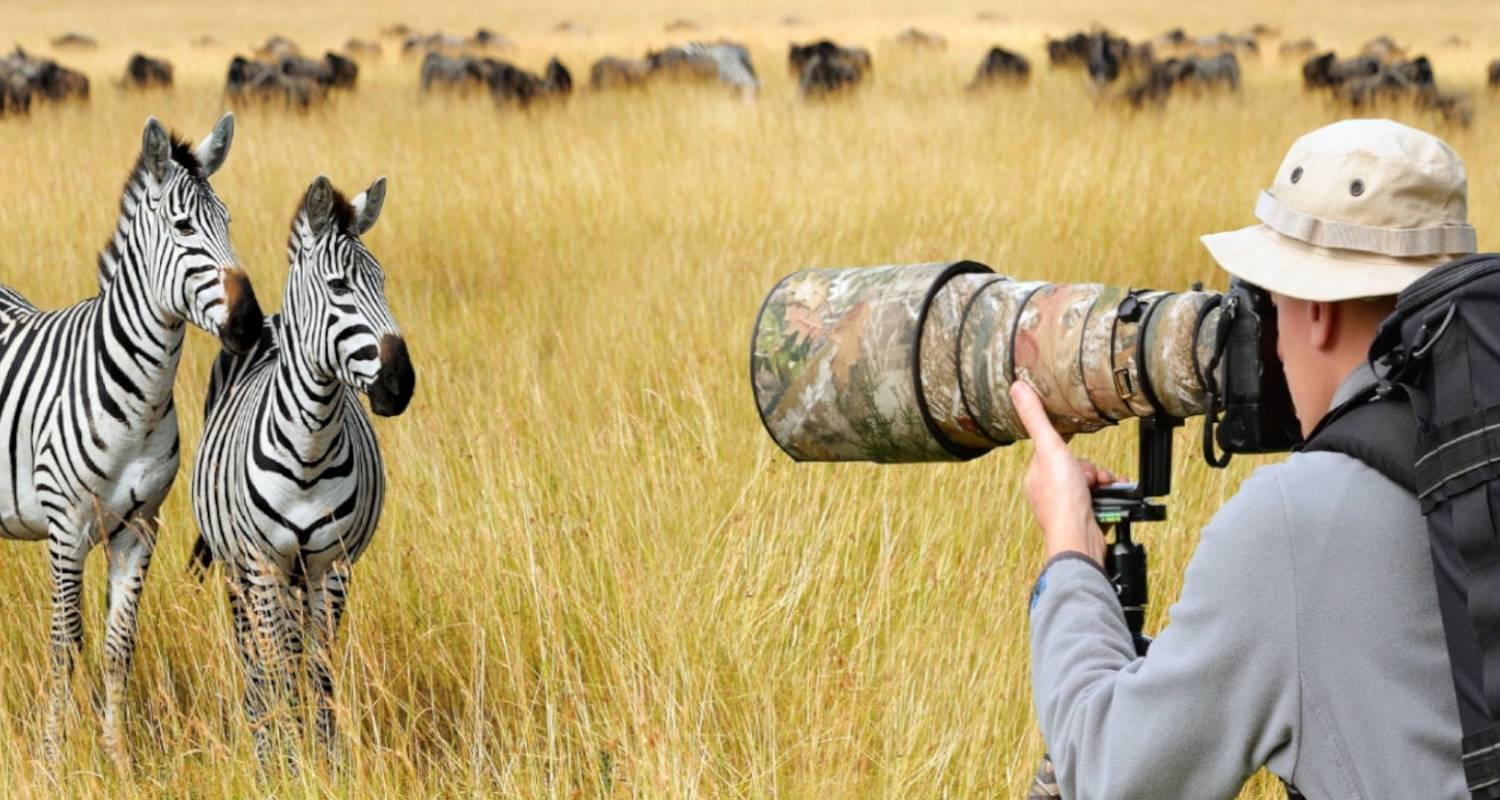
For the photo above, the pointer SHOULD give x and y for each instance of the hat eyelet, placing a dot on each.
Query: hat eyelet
(1296, 174)
(1357, 188)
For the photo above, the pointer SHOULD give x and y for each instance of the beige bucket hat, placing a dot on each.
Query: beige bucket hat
(1359, 208)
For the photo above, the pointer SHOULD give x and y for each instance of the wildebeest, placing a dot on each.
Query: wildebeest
(399, 30)
(569, 26)
(362, 48)
(1095, 48)
(75, 41)
(1001, 66)
(332, 71)
(1328, 71)
(1494, 74)
(505, 82)
(145, 72)
(921, 40)
(1367, 80)
(47, 79)
(723, 61)
(511, 84)
(612, 71)
(256, 80)
(452, 72)
(1193, 72)
(679, 25)
(824, 66)
(823, 76)
(15, 90)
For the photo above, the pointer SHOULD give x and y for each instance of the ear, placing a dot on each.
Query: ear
(367, 206)
(156, 149)
(214, 148)
(1323, 321)
(318, 205)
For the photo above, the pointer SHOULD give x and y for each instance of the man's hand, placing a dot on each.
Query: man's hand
(1057, 484)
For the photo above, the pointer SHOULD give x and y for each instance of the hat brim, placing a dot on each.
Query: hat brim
(1296, 269)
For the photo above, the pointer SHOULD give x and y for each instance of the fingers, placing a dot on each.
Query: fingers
(1034, 417)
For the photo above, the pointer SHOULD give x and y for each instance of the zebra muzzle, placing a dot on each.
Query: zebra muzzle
(392, 388)
(242, 325)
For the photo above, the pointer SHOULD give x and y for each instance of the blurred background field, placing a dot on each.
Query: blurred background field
(596, 576)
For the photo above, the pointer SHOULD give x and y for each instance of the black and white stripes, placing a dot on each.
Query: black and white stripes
(86, 397)
(288, 483)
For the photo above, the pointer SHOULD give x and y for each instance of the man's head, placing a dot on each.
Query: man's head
(1358, 211)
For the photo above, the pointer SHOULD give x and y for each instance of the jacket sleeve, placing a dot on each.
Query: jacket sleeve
(1217, 695)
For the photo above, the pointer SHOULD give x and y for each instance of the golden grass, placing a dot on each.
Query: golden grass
(596, 576)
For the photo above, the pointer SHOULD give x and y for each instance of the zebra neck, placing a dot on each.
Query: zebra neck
(307, 409)
(140, 342)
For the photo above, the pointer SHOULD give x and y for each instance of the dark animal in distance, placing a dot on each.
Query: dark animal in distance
(1000, 66)
(144, 72)
(1367, 80)
(250, 80)
(332, 71)
(276, 48)
(1298, 48)
(505, 82)
(1494, 74)
(1194, 73)
(824, 67)
(42, 79)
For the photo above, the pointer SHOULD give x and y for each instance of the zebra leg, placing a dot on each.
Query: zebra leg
(325, 608)
(66, 552)
(129, 552)
(261, 623)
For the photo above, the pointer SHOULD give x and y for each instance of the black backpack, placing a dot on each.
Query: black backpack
(1432, 425)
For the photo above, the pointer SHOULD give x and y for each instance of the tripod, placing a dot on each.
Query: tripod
(1122, 505)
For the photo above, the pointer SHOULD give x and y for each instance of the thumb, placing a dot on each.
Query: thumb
(1034, 417)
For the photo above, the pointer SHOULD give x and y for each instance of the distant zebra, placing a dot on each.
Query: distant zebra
(86, 399)
(288, 483)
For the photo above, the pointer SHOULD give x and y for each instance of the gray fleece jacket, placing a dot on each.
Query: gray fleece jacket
(1307, 639)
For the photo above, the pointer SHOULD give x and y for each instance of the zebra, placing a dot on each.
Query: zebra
(86, 399)
(288, 482)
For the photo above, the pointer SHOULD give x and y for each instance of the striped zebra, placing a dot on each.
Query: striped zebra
(288, 483)
(86, 399)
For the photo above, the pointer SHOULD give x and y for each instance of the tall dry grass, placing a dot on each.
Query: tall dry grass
(595, 575)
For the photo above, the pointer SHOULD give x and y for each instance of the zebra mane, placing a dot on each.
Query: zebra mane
(183, 155)
(343, 214)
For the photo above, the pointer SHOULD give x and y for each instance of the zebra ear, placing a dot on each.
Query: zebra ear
(214, 148)
(318, 205)
(367, 206)
(156, 149)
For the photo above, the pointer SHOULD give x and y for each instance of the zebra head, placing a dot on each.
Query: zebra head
(335, 298)
(184, 228)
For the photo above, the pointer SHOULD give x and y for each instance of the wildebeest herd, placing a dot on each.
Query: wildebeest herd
(1136, 73)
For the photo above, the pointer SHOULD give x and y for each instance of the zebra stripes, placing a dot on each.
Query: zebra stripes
(288, 483)
(86, 398)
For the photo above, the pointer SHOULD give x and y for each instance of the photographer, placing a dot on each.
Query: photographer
(1307, 638)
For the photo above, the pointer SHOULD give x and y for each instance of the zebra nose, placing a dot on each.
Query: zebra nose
(242, 323)
(393, 386)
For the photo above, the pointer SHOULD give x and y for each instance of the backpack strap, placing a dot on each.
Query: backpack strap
(1379, 431)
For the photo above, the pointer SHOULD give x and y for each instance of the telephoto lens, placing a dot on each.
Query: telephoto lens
(912, 363)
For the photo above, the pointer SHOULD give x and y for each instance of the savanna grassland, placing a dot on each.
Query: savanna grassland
(596, 576)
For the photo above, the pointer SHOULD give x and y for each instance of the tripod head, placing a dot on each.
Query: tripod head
(1121, 505)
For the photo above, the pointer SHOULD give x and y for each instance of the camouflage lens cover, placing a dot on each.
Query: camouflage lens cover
(834, 364)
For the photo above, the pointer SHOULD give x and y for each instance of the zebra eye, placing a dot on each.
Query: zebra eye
(339, 286)
(184, 227)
